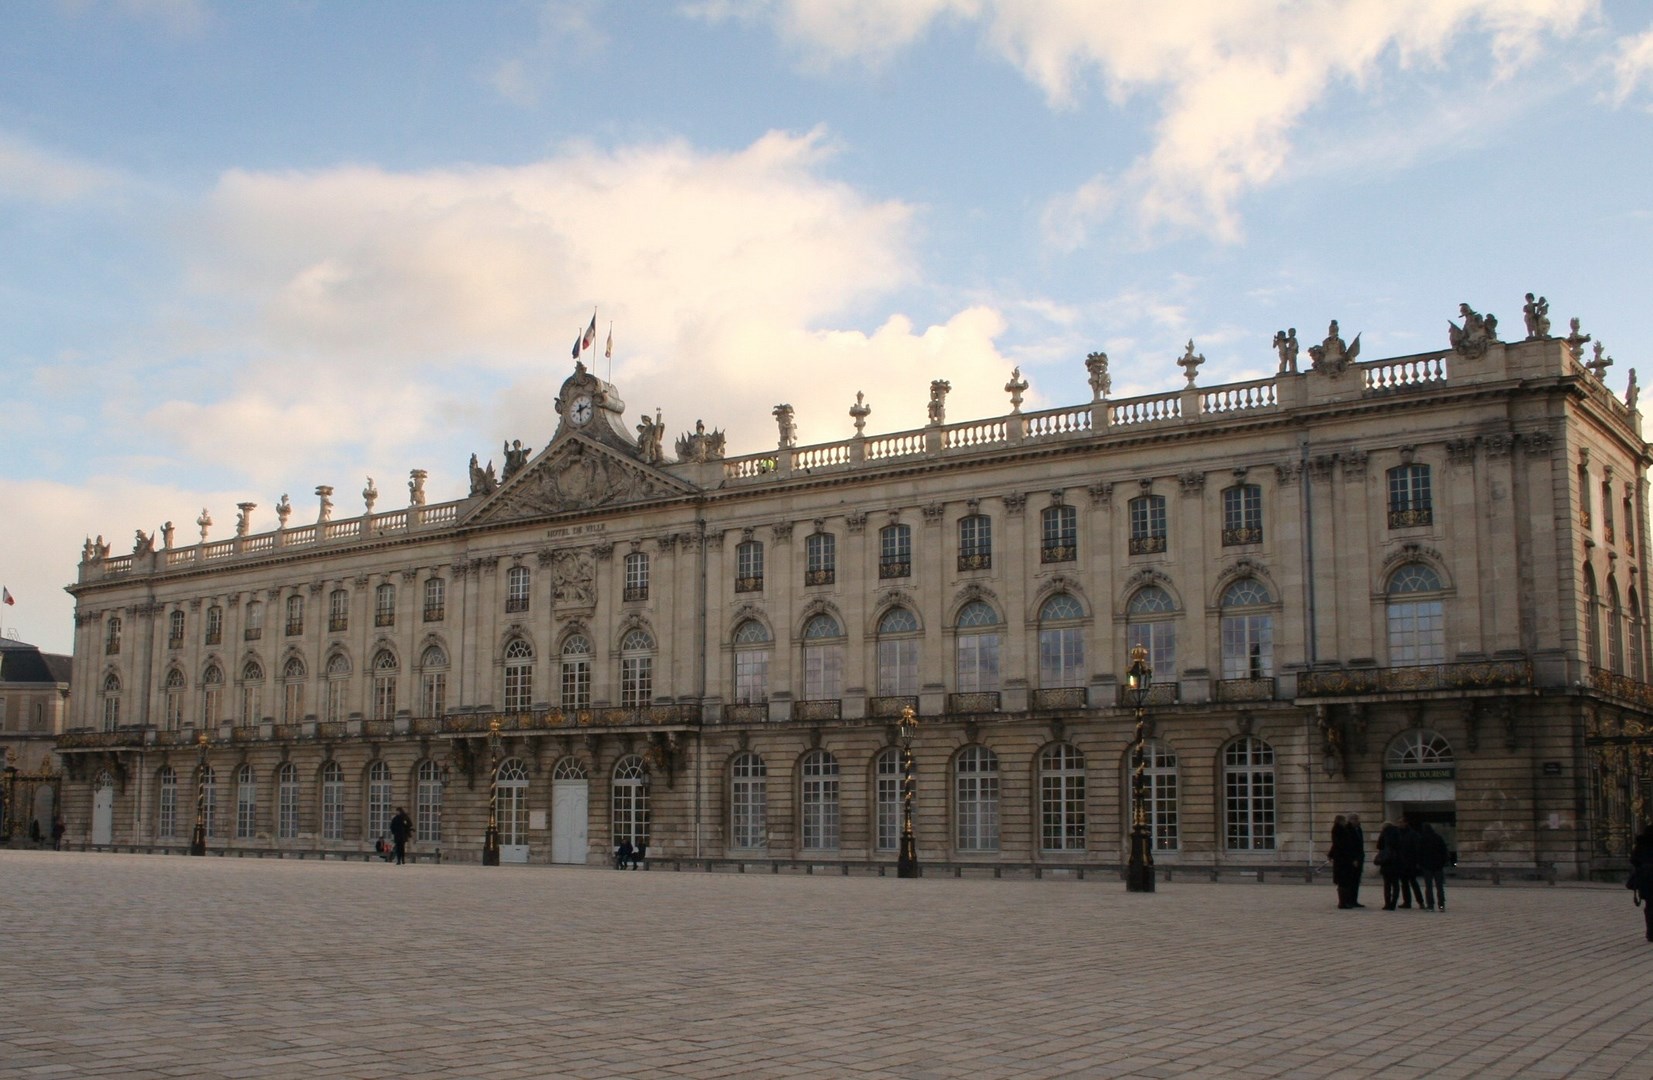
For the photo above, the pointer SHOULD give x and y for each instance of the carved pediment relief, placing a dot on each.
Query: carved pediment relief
(576, 474)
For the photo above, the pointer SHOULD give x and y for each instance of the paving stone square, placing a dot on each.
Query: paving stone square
(149, 966)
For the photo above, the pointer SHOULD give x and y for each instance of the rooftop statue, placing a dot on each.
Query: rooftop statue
(938, 400)
(1285, 343)
(1332, 356)
(1472, 338)
(1537, 315)
(699, 444)
(482, 479)
(650, 434)
(1575, 340)
(1097, 365)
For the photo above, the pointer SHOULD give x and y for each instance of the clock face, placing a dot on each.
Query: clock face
(580, 411)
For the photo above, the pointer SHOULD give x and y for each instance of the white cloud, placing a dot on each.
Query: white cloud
(34, 174)
(1633, 65)
(829, 31)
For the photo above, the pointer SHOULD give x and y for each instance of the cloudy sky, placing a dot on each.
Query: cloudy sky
(246, 249)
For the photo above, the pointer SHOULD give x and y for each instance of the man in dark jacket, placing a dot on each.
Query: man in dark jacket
(1355, 844)
(1432, 860)
(401, 827)
(1641, 875)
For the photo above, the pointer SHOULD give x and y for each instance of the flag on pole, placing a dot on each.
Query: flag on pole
(590, 338)
(608, 351)
(7, 593)
(576, 344)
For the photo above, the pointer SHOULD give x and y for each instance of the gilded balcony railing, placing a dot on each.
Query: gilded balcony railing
(1472, 675)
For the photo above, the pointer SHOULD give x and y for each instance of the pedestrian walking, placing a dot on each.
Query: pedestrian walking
(58, 829)
(1641, 875)
(1348, 856)
(622, 854)
(1356, 841)
(401, 830)
(1432, 860)
(1335, 854)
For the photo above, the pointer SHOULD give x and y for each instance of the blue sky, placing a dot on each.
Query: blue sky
(246, 249)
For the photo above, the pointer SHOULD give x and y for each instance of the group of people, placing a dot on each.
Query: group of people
(628, 856)
(401, 831)
(1407, 850)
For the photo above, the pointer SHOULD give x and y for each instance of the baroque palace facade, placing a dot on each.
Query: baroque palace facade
(1412, 585)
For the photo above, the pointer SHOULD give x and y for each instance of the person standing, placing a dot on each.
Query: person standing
(1354, 843)
(58, 829)
(1388, 860)
(1408, 868)
(1641, 875)
(401, 829)
(1432, 860)
(1335, 855)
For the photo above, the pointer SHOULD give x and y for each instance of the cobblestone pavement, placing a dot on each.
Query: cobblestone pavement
(148, 966)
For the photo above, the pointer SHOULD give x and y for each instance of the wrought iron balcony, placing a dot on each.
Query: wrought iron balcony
(819, 709)
(1066, 551)
(294, 629)
(1231, 537)
(1621, 686)
(1474, 675)
(823, 576)
(253, 633)
(894, 568)
(745, 714)
(1066, 697)
(1245, 689)
(516, 603)
(750, 583)
(435, 614)
(981, 560)
(1160, 693)
(338, 624)
(1147, 545)
(891, 706)
(980, 701)
(1406, 519)
(384, 618)
(636, 592)
(213, 637)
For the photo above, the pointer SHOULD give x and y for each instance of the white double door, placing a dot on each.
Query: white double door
(570, 807)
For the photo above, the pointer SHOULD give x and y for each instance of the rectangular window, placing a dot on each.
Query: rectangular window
(166, 825)
(433, 693)
(1242, 515)
(823, 672)
(246, 810)
(516, 589)
(436, 599)
(1147, 516)
(112, 637)
(384, 606)
(427, 805)
(214, 626)
(1249, 796)
(1059, 541)
(384, 695)
(295, 616)
(820, 559)
(898, 667)
(1248, 646)
(895, 551)
(287, 809)
(338, 611)
(254, 628)
(1409, 497)
(636, 681)
(175, 622)
(978, 663)
(889, 800)
(1061, 658)
(749, 798)
(749, 567)
(637, 576)
(1607, 510)
(576, 683)
(751, 676)
(976, 542)
(332, 810)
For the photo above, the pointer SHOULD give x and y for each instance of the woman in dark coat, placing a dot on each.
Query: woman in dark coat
(1641, 875)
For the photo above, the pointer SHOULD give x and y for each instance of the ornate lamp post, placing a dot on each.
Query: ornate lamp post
(1139, 872)
(906, 864)
(490, 839)
(198, 839)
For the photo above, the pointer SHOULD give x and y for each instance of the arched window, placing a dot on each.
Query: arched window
(212, 695)
(175, 630)
(512, 813)
(630, 799)
(752, 652)
(748, 802)
(1638, 663)
(427, 802)
(819, 797)
(977, 648)
(166, 804)
(287, 801)
(1592, 619)
(519, 675)
(1615, 628)
(1248, 795)
(246, 803)
(576, 672)
(433, 685)
(887, 781)
(1419, 748)
(1159, 790)
(384, 685)
(378, 800)
(975, 542)
(1247, 630)
(111, 701)
(895, 551)
(1417, 625)
(1062, 798)
(1061, 643)
(292, 690)
(338, 687)
(207, 791)
(898, 640)
(384, 605)
(516, 589)
(332, 801)
(823, 659)
(636, 669)
(174, 691)
(252, 692)
(295, 615)
(976, 799)
(1151, 622)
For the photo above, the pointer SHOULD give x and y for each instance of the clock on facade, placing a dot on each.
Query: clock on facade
(580, 410)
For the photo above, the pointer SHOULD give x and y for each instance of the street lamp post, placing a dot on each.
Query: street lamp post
(906, 865)
(1139, 872)
(8, 793)
(490, 839)
(198, 839)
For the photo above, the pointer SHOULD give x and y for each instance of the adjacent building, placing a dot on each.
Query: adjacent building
(1410, 585)
(34, 695)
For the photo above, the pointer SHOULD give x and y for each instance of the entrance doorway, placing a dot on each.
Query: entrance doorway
(1420, 783)
(512, 812)
(103, 809)
(570, 812)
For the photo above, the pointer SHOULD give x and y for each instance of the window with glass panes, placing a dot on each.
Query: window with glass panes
(1061, 643)
(1416, 616)
(384, 685)
(819, 795)
(820, 558)
(111, 702)
(207, 779)
(338, 611)
(1059, 534)
(212, 695)
(895, 551)
(975, 542)
(436, 599)
(254, 621)
(433, 681)
(1615, 629)
(174, 692)
(252, 692)
(384, 605)
(1409, 498)
(752, 652)
(1248, 795)
(749, 566)
(112, 636)
(1638, 664)
(977, 649)
(1150, 615)
(629, 802)
(887, 796)
(175, 630)
(1159, 789)
(1147, 523)
(214, 626)
(1607, 510)
(287, 801)
(378, 800)
(519, 675)
(637, 576)
(898, 641)
(748, 801)
(636, 669)
(295, 616)
(1243, 514)
(1061, 799)
(427, 803)
(823, 658)
(166, 813)
(292, 690)
(512, 787)
(1247, 633)
(516, 589)
(976, 799)
(338, 687)
(332, 801)
(576, 672)
(246, 804)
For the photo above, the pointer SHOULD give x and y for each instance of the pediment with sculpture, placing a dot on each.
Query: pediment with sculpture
(577, 474)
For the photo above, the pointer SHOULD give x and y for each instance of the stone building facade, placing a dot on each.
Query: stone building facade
(34, 695)
(1404, 585)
